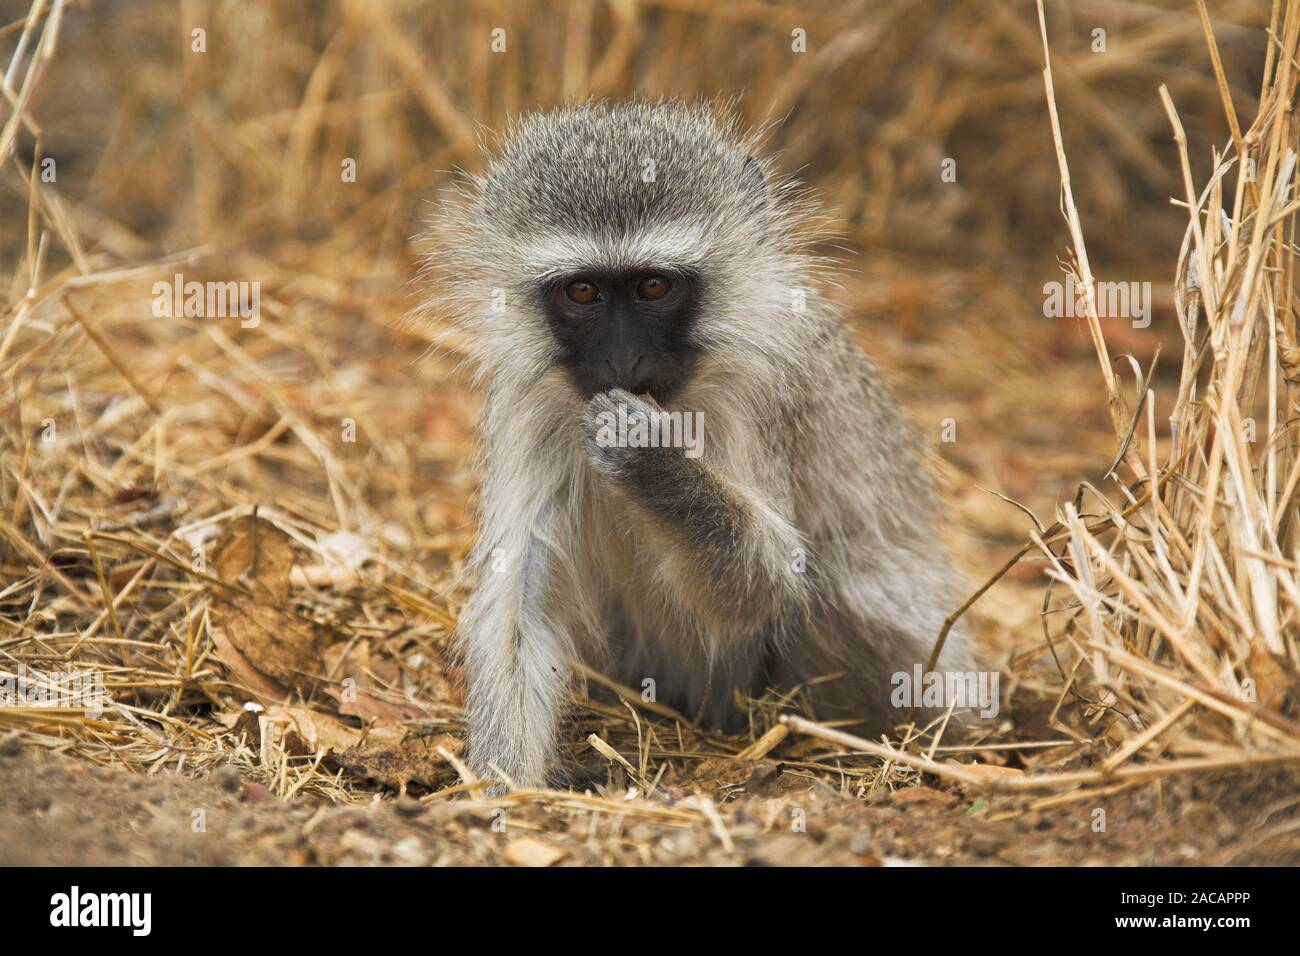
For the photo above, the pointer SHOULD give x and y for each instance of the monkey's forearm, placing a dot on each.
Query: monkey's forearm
(736, 557)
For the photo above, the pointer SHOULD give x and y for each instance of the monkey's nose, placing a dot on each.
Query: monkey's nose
(625, 370)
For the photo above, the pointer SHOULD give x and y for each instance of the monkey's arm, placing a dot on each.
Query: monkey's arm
(516, 651)
(735, 556)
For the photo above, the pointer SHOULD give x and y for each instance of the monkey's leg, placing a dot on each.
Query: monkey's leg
(517, 657)
(733, 555)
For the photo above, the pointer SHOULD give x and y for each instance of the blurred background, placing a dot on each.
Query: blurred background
(227, 147)
(298, 145)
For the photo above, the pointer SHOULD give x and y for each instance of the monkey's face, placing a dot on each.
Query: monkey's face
(628, 329)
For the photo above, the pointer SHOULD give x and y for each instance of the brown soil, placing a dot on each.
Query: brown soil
(56, 810)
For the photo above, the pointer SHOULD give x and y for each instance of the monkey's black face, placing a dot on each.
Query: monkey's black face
(629, 330)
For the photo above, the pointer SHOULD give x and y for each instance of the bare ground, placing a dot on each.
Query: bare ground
(55, 810)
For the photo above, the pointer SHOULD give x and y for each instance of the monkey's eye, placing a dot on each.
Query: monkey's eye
(653, 287)
(582, 291)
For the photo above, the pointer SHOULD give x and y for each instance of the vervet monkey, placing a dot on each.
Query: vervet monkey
(635, 259)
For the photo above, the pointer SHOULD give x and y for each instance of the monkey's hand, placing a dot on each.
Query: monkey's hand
(609, 418)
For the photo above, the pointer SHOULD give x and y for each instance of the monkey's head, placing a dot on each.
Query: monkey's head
(631, 246)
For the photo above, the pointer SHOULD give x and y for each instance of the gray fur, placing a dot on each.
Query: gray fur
(642, 561)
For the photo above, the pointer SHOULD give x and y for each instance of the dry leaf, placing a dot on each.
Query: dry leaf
(369, 707)
(277, 643)
(258, 554)
(268, 647)
(395, 756)
(353, 660)
(247, 725)
(264, 688)
(348, 659)
(318, 731)
(387, 670)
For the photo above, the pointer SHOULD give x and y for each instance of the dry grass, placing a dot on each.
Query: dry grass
(135, 451)
(1180, 633)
